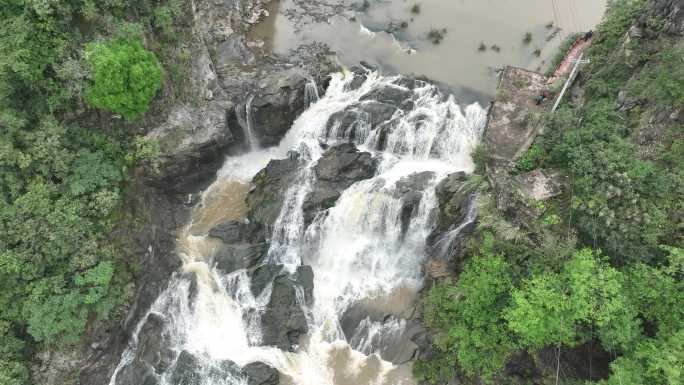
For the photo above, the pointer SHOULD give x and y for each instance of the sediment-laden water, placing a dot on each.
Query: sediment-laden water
(395, 35)
(362, 251)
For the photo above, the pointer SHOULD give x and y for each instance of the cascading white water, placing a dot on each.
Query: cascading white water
(245, 118)
(358, 250)
(446, 242)
(311, 93)
(249, 123)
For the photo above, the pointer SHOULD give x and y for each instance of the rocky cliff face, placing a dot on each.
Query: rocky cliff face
(194, 138)
(226, 74)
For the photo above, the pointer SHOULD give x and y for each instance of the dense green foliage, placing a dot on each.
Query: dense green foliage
(486, 317)
(530, 159)
(125, 76)
(556, 308)
(470, 313)
(604, 263)
(62, 176)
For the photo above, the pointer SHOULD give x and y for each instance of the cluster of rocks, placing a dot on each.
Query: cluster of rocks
(513, 124)
(376, 110)
(226, 73)
(195, 132)
(154, 358)
(338, 168)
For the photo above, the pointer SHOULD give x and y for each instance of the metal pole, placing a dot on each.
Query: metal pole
(568, 82)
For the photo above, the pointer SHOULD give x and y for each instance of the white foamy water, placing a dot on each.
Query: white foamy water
(362, 250)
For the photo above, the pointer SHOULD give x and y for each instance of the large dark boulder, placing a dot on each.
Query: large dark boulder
(153, 343)
(375, 109)
(153, 355)
(229, 258)
(340, 167)
(241, 246)
(193, 143)
(187, 370)
(270, 186)
(360, 73)
(262, 275)
(284, 319)
(390, 94)
(348, 121)
(452, 195)
(191, 370)
(134, 374)
(258, 373)
(277, 103)
(409, 190)
(396, 343)
(228, 232)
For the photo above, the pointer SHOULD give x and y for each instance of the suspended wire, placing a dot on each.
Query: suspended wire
(573, 16)
(557, 19)
(558, 353)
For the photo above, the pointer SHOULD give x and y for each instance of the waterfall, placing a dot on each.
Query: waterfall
(310, 92)
(362, 251)
(445, 244)
(249, 125)
(246, 121)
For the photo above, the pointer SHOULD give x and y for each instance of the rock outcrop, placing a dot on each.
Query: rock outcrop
(410, 192)
(153, 356)
(270, 187)
(242, 247)
(375, 111)
(338, 168)
(513, 121)
(193, 142)
(258, 373)
(452, 195)
(456, 219)
(520, 198)
(278, 100)
(284, 319)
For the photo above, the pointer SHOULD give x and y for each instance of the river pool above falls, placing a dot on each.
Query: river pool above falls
(357, 31)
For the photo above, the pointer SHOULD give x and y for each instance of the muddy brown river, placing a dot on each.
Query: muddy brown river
(478, 36)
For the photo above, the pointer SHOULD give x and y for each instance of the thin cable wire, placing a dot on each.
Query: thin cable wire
(556, 19)
(573, 16)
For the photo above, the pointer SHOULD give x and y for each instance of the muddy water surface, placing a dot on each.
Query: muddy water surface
(225, 200)
(359, 33)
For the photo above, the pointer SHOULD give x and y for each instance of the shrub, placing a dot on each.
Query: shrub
(664, 80)
(552, 308)
(530, 159)
(125, 76)
(470, 314)
(437, 35)
(527, 39)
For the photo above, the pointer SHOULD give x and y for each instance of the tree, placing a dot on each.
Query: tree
(470, 314)
(555, 308)
(125, 76)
